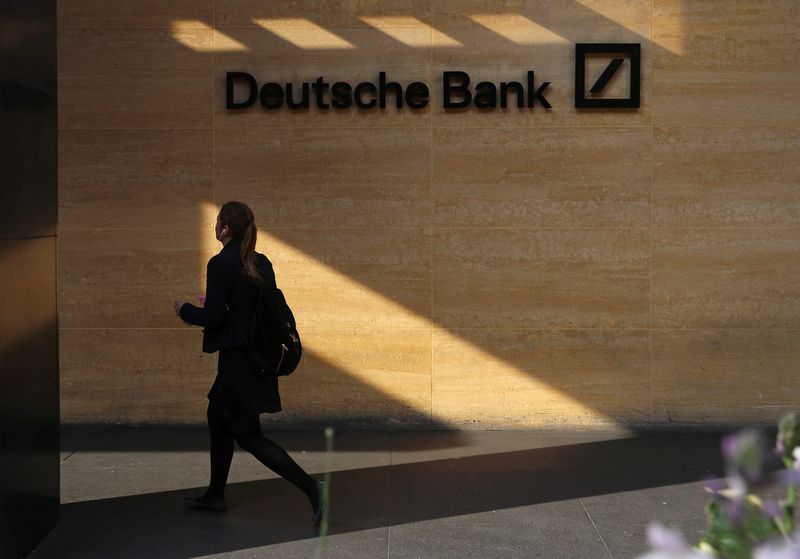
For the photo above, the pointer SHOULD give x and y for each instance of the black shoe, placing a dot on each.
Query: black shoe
(202, 502)
(317, 518)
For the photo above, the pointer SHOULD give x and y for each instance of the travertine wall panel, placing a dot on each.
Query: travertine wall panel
(542, 278)
(724, 375)
(354, 375)
(145, 179)
(546, 177)
(502, 378)
(451, 268)
(134, 78)
(360, 178)
(723, 177)
(88, 14)
(133, 375)
(742, 12)
(352, 278)
(726, 75)
(726, 278)
(126, 278)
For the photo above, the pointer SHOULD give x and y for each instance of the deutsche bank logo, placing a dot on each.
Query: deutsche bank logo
(607, 76)
(591, 90)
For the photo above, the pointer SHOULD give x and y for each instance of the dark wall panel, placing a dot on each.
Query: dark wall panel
(29, 386)
(28, 144)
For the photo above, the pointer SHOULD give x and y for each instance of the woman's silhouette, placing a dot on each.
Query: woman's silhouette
(239, 393)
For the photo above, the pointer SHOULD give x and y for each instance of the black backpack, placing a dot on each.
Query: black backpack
(272, 341)
(277, 347)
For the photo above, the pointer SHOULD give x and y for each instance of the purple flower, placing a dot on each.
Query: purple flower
(664, 539)
(788, 434)
(781, 549)
(669, 544)
(788, 477)
(736, 511)
(745, 455)
(772, 508)
(730, 446)
(715, 486)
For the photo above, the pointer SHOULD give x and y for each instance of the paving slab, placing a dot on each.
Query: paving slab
(629, 542)
(550, 531)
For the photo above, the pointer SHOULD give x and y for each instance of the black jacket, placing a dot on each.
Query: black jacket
(227, 287)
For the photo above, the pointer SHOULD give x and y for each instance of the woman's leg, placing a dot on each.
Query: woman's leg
(248, 435)
(221, 450)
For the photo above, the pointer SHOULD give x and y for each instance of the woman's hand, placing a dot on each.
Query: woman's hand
(178, 305)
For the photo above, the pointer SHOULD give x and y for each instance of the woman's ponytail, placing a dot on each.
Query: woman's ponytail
(248, 252)
(241, 222)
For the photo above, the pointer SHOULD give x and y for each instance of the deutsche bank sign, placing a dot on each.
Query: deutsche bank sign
(242, 90)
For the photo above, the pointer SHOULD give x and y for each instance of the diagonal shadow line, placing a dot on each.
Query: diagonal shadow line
(321, 384)
(269, 512)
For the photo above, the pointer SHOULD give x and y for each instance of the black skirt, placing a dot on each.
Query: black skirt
(240, 390)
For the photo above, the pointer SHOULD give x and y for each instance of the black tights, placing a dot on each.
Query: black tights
(247, 434)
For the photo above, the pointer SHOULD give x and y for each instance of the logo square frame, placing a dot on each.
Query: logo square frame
(632, 51)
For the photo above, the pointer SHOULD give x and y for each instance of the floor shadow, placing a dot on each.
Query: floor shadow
(263, 513)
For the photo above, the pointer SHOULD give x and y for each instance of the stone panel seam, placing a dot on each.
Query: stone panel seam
(431, 218)
(650, 204)
(213, 103)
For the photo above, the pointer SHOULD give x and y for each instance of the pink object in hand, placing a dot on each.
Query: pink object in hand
(201, 298)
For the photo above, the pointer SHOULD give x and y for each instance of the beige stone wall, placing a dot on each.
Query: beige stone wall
(455, 269)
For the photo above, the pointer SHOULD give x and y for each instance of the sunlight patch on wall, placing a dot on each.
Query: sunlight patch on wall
(184, 31)
(339, 285)
(639, 18)
(518, 29)
(304, 33)
(206, 222)
(394, 21)
(442, 40)
(398, 28)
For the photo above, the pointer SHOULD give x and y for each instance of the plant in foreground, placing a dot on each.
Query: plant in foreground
(741, 524)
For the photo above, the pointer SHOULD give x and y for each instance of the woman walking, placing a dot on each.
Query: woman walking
(239, 394)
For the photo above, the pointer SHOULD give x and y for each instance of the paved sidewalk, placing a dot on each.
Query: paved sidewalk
(460, 495)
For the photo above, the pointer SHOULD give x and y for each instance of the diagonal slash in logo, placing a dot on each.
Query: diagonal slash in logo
(606, 76)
